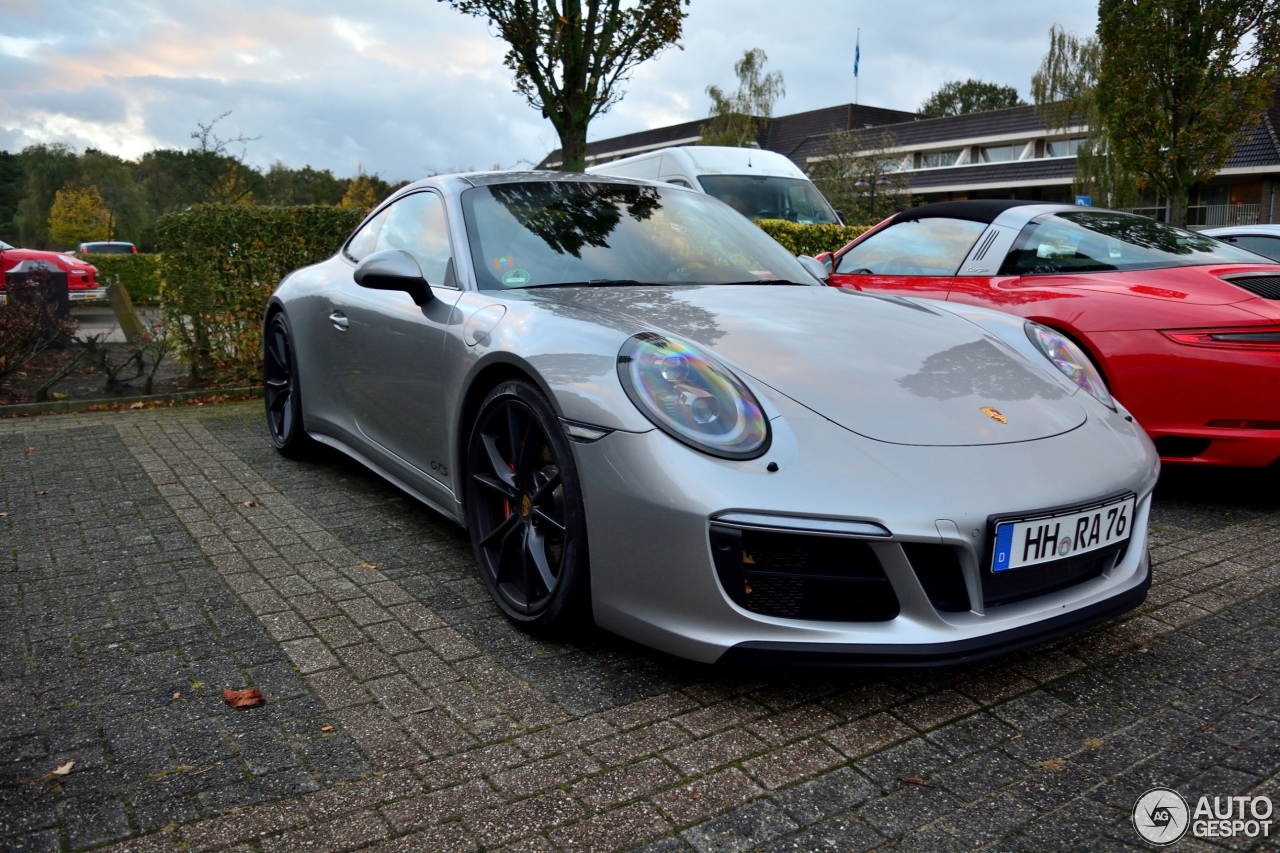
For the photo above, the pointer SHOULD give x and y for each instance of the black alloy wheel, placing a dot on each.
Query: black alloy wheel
(524, 510)
(280, 389)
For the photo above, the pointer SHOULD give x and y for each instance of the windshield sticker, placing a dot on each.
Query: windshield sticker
(505, 262)
(515, 278)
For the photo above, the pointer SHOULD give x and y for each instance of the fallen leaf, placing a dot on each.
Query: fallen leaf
(326, 728)
(1014, 737)
(1092, 743)
(248, 503)
(1051, 764)
(177, 696)
(137, 405)
(4, 515)
(28, 450)
(243, 698)
(916, 780)
(367, 565)
(64, 769)
(42, 492)
(58, 395)
(697, 796)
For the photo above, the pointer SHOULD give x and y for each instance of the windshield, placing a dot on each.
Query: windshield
(543, 233)
(107, 248)
(1104, 240)
(759, 197)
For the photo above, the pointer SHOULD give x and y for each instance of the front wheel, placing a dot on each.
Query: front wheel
(280, 389)
(524, 511)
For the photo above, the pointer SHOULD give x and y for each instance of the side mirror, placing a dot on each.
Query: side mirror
(393, 269)
(828, 261)
(815, 267)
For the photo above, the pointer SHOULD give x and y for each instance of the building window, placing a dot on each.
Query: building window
(940, 159)
(999, 153)
(1063, 147)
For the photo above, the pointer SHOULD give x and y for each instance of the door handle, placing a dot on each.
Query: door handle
(339, 321)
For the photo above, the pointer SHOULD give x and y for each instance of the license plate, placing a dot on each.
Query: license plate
(1041, 540)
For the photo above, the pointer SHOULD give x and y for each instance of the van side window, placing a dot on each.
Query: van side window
(680, 182)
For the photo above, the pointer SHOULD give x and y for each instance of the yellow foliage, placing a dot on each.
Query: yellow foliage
(360, 193)
(79, 215)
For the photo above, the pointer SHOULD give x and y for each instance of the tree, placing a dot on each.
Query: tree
(1180, 81)
(13, 180)
(79, 214)
(738, 119)
(291, 187)
(972, 96)
(569, 57)
(48, 169)
(360, 193)
(1063, 89)
(862, 176)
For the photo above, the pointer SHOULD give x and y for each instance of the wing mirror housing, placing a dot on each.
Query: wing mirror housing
(394, 269)
(815, 267)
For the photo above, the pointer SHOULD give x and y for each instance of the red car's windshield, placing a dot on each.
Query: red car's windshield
(1107, 241)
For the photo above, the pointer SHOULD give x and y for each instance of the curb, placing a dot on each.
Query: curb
(152, 401)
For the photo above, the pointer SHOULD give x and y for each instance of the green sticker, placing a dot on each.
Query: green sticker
(515, 278)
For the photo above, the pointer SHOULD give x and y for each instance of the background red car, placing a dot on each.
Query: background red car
(1184, 329)
(81, 277)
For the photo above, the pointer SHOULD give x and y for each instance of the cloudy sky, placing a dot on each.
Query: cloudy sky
(402, 88)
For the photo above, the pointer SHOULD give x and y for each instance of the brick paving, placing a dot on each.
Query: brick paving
(150, 559)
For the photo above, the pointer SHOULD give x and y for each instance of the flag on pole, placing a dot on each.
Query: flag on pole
(857, 52)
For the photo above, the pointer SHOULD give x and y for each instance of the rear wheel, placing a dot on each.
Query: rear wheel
(524, 510)
(280, 389)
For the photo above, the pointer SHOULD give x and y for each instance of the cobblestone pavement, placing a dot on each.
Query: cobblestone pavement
(151, 559)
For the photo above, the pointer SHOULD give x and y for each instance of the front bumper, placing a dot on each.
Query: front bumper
(651, 502)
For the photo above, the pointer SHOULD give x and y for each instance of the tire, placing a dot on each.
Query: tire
(524, 511)
(280, 390)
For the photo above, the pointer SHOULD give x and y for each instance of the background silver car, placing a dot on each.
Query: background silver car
(646, 412)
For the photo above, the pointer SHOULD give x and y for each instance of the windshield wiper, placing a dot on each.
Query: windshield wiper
(594, 282)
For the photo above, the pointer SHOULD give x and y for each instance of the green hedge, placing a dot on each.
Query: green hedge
(809, 239)
(140, 274)
(219, 264)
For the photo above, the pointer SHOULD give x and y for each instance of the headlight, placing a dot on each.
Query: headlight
(1068, 358)
(692, 398)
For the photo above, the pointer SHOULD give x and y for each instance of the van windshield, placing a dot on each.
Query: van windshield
(762, 197)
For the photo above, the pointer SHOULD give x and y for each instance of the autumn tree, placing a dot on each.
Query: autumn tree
(970, 96)
(570, 57)
(1064, 90)
(360, 193)
(1179, 83)
(738, 118)
(79, 214)
(48, 167)
(862, 176)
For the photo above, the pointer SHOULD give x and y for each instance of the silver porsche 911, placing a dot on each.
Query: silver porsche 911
(647, 413)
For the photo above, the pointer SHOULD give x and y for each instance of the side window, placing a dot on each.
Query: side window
(416, 224)
(922, 247)
(1268, 247)
(365, 241)
(680, 182)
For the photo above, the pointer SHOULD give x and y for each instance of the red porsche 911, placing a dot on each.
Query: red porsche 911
(1183, 329)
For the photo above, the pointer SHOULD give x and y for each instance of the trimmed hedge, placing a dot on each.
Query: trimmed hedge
(810, 239)
(219, 265)
(140, 274)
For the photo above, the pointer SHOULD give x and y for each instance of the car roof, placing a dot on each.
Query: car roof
(1242, 229)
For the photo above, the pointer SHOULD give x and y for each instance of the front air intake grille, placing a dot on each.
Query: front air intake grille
(1266, 286)
(802, 576)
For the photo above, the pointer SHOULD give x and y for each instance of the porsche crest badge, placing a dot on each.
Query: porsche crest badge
(994, 414)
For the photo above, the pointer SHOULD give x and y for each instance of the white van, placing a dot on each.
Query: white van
(758, 184)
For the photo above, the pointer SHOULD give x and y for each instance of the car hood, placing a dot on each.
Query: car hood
(13, 257)
(890, 369)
